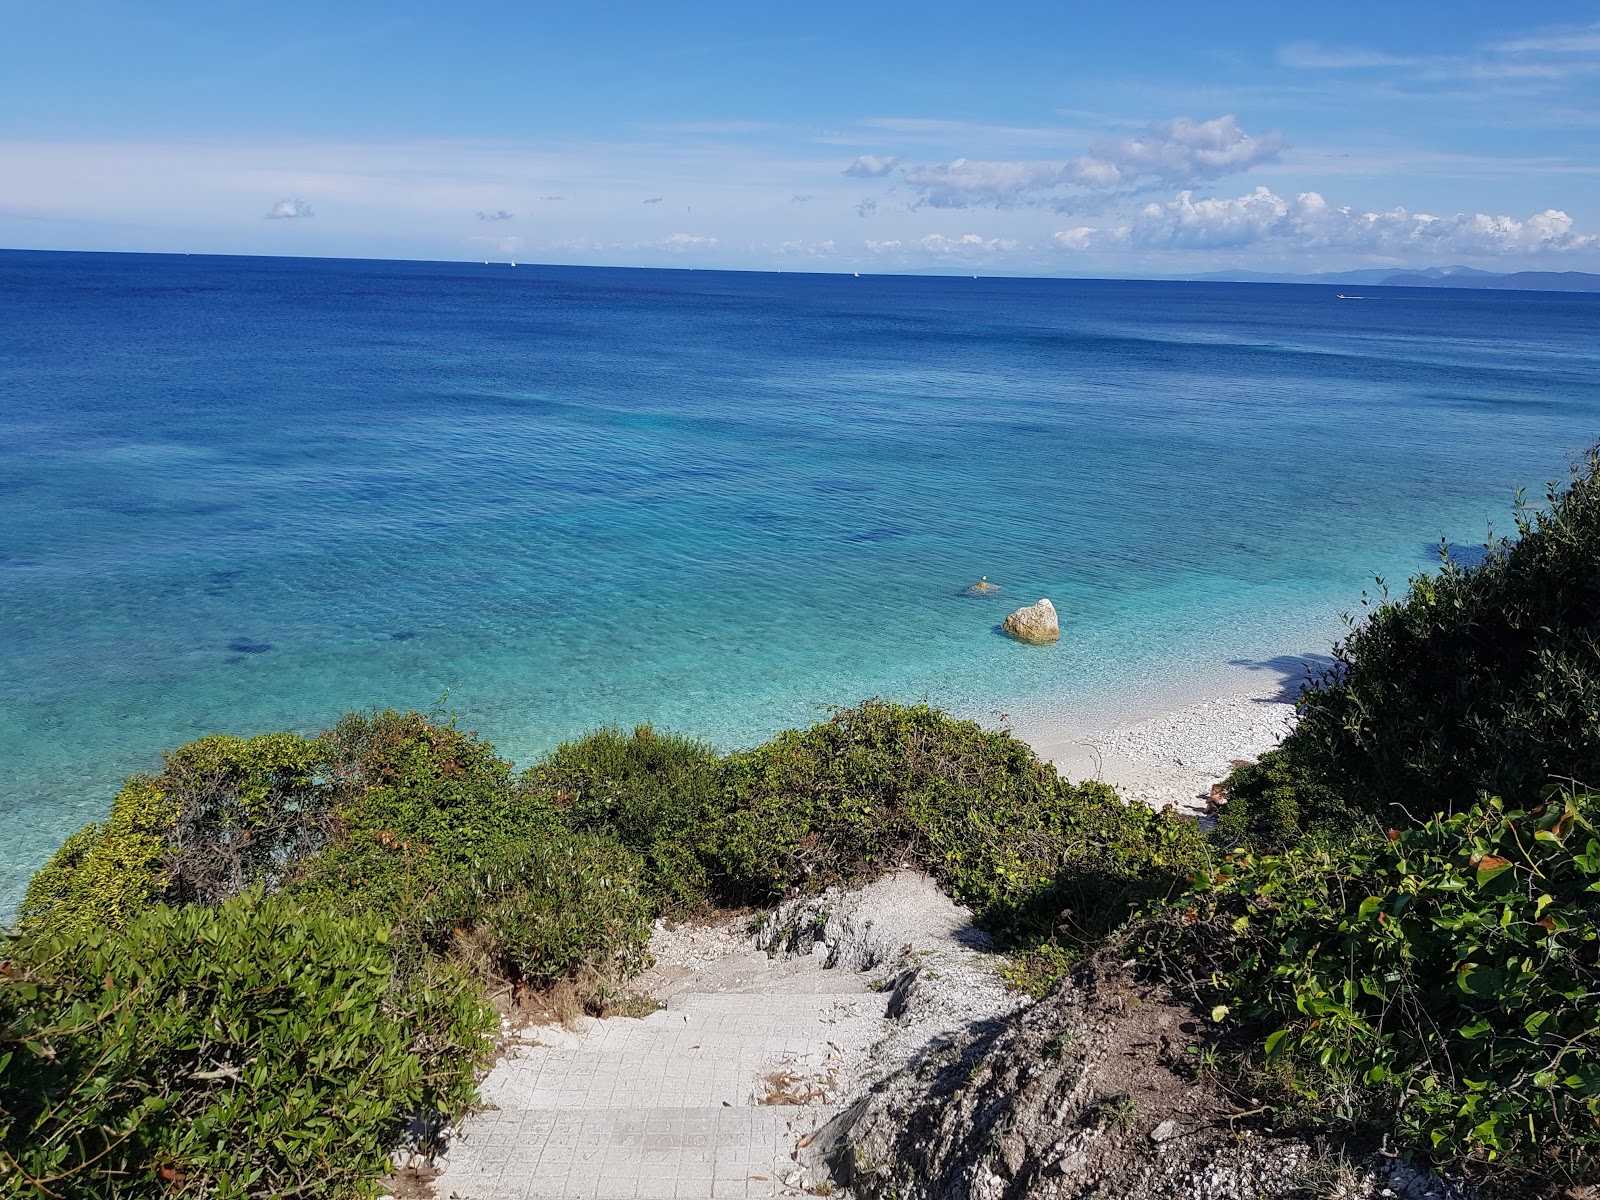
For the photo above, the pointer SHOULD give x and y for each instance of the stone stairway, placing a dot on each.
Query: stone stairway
(715, 1094)
(702, 1099)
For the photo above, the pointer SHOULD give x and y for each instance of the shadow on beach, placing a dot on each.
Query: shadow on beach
(1296, 672)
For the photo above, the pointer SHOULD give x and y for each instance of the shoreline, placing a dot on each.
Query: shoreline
(1171, 746)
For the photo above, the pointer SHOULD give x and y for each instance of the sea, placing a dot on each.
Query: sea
(246, 494)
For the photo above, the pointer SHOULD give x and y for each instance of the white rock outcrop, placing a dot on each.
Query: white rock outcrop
(1036, 623)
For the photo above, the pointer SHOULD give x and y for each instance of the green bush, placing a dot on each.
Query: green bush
(1439, 981)
(1480, 681)
(416, 803)
(545, 910)
(432, 832)
(253, 1048)
(654, 792)
(882, 785)
(226, 813)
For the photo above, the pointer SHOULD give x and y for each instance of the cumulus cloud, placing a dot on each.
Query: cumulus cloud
(1080, 238)
(1167, 153)
(886, 247)
(1308, 222)
(498, 215)
(967, 245)
(872, 166)
(686, 241)
(289, 210)
(820, 249)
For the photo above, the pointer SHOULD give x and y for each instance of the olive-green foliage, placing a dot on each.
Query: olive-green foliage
(416, 801)
(882, 785)
(1276, 799)
(657, 793)
(432, 833)
(254, 1048)
(1480, 681)
(1438, 982)
(544, 909)
(224, 814)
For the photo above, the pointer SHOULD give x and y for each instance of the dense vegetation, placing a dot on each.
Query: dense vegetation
(1402, 918)
(1480, 681)
(278, 950)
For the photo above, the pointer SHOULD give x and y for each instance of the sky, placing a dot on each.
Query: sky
(1052, 138)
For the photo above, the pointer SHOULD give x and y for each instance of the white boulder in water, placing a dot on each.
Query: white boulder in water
(1037, 623)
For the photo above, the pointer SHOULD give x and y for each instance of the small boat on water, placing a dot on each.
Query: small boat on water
(1342, 296)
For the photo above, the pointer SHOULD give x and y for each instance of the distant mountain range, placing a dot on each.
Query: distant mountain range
(1451, 277)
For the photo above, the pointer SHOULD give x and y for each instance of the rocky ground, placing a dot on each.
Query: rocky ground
(1094, 1093)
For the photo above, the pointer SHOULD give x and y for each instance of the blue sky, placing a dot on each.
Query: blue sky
(1055, 138)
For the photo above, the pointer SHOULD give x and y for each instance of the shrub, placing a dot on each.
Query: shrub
(1482, 680)
(656, 793)
(226, 813)
(254, 1048)
(416, 802)
(545, 911)
(1439, 981)
(882, 785)
(431, 832)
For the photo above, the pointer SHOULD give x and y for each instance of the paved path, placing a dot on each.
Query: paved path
(704, 1099)
(713, 1095)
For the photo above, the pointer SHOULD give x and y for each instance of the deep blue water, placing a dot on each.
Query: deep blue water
(242, 494)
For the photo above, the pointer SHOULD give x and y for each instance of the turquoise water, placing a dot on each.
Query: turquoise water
(245, 494)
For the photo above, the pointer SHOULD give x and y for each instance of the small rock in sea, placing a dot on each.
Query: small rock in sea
(242, 645)
(1036, 623)
(983, 588)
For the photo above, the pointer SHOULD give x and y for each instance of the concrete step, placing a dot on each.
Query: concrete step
(643, 1153)
(774, 1008)
(710, 1059)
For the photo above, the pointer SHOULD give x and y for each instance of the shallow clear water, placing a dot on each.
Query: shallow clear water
(243, 494)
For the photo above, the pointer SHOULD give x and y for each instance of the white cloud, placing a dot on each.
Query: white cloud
(1080, 238)
(499, 214)
(290, 210)
(801, 249)
(1582, 40)
(686, 241)
(1307, 222)
(1168, 153)
(1307, 56)
(1538, 61)
(891, 246)
(871, 166)
(967, 245)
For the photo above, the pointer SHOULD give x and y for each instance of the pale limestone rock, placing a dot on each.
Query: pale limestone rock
(1036, 623)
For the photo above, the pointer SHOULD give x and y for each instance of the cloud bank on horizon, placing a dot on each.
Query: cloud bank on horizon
(1271, 148)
